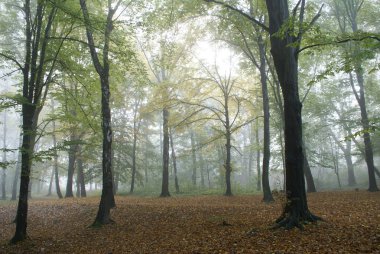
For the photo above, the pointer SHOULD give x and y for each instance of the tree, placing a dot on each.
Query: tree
(4, 163)
(285, 59)
(350, 9)
(37, 73)
(285, 44)
(107, 200)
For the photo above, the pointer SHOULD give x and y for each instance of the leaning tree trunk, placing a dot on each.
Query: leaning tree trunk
(368, 151)
(285, 59)
(307, 171)
(165, 155)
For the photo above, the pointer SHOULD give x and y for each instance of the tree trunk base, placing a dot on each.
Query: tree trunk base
(373, 189)
(98, 224)
(18, 237)
(165, 195)
(295, 218)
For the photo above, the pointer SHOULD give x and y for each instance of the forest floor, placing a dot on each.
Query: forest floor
(203, 224)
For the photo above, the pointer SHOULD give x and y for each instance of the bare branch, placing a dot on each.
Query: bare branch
(252, 19)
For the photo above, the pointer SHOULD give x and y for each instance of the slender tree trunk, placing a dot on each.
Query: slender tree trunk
(165, 157)
(258, 160)
(50, 182)
(350, 165)
(368, 151)
(134, 157)
(82, 185)
(56, 173)
(307, 171)
(4, 173)
(174, 161)
(194, 159)
(286, 63)
(266, 142)
(201, 170)
(107, 200)
(71, 167)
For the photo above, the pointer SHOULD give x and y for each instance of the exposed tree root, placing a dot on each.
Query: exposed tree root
(296, 219)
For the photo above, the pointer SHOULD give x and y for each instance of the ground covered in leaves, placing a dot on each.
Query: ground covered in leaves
(205, 224)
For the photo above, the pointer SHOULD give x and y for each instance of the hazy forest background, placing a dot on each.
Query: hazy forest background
(172, 98)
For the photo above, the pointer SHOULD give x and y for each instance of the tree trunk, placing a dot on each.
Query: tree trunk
(350, 165)
(201, 170)
(258, 160)
(368, 151)
(82, 184)
(4, 173)
(286, 63)
(194, 159)
(266, 144)
(17, 172)
(107, 200)
(28, 112)
(165, 155)
(50, 182)
(71, 167)
(308, 175)
(174, 161)
(133, 157)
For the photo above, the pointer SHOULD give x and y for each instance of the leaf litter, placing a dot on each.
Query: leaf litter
(202, 224)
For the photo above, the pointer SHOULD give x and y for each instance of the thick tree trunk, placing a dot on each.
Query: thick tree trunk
(28, 112)
(285, 59)
(165, 155)
(174, 161)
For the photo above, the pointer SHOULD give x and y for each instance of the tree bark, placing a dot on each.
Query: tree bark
(174, 161)
(258, 159)
(286, 63)
(165, 155)
(266, 142)
(82, 184)
(4, 173)
(17, 172)
(71, 167)
(194, 159)
(36, 42)
(107, 200)
(308, 174)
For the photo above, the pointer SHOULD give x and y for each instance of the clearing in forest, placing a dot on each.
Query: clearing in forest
(203, 224)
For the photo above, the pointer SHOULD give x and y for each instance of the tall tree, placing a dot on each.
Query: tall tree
(37, 69)
(107, 200)
(285, 59)
(4, 171)
(346, 13)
